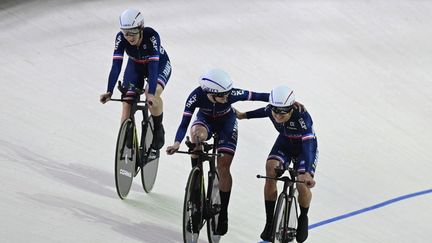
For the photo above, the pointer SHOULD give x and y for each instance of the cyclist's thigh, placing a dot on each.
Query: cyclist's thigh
(201, 122)
(280, 151)
(228, 134)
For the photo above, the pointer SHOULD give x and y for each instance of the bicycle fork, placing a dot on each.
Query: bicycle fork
(128, 149)
(212, 208)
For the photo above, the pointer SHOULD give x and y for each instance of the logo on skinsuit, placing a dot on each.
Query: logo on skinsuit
(191, 101)
(237, 92)
(117, 42)
(154, 42)
(302, 123)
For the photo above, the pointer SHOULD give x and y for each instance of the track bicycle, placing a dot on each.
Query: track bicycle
(131, 155)
(200, 208)
(285, 218)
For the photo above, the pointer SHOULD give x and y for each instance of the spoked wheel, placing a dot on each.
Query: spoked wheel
(214, 209)
(125, 158)
(150, 165)
(285, 220)
(193, 206)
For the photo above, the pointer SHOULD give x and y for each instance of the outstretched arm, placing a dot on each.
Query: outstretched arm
(116, 63)
(115, 69)
(244, 95)
(153, 66)
(258, 113)
(309, 150)
(240, 115)
(184, 124)
(181, 132)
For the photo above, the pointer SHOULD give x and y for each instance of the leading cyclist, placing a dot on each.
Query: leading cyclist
(215, 115)
(147, 60)
(296, 142)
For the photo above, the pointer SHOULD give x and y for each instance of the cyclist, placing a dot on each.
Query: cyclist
(147, 61)
(295, 143)
(215, 115)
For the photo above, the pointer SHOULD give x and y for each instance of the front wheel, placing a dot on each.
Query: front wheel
(125, 158)
(285, 219)
(193, 206)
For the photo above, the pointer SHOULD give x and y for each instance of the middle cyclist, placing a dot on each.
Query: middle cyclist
(216, 115)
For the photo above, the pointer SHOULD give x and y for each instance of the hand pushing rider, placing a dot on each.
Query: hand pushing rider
(147, 61)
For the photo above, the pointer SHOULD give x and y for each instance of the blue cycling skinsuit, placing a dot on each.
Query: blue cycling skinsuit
(296, 140)
(216, 117)
(149, 60)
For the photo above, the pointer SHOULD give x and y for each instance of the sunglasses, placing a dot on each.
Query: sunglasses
(220, 95)
(282, 110)
(131, 32)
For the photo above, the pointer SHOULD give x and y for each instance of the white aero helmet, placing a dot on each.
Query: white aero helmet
(281, 96)
(130, 19)
(216, 81)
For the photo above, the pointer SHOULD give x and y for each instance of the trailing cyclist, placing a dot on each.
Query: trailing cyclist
(215, 115)
(295, 143)
(147, 61)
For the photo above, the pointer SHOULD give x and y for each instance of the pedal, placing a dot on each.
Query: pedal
(212, 211)
(153, 154)
(291, 234)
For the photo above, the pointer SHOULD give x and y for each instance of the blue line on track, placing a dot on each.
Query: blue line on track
(373, 207)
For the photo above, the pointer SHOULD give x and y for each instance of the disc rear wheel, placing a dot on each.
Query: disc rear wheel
(150, 166)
